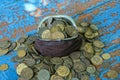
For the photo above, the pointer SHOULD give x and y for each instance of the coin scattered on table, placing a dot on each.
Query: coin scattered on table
(30, 39)
(3, 51)
(106, 56)
(17, 59)
(27, 73)
(112, 74)
(4, 67)
(75, 55)
(98, 44)
(81, 29)
(17, 46)
(94, 27)
(5, 44)
(20, 67)
(74, 79)
(89, 34)
(78, 65)
(21, 40)
(85, 77)
(84, 24)
(29, 61)
(56, 77)
(13, 46)
(88, 48)
(21, 53)
(63, 71)
(85, 61)
(91, 69)
(95, 74)
(20, 78)
(106, 65)
(43, 74)
(96, 60)
(56, 60)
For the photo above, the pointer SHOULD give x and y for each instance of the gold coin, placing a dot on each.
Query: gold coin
(112, 74)
(56, 77)
(62, 27)
(88, 48)
(98, 53)
(75, 55)
(84, 24)
(98, 44)
(57, 35)
(3, 51)
(46, 34)
(79, 66)
(56, 60)
(91, 69)
(27, 73)
(13, 46)
(5, 44)
(3, 67)
(21, 53)
(17, 46)
(20, 67)
(96, 60)
(21, 40)
(96, 34)
(71, 31)
(60, 24)
(63, 71)
(85, 77)
(89, 34)
(93, 27)
(106, 56)
(97, 49)
(55, 28)
(41, 30)
(81, 29)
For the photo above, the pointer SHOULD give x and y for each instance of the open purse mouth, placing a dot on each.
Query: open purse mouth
(66, 39)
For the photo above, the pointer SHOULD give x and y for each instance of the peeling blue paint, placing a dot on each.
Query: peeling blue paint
(112, 48)
(106, 14)
(111, 29)
(6, 75)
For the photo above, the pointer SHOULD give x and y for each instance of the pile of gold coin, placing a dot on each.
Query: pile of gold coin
(79, 65)
(57, 30)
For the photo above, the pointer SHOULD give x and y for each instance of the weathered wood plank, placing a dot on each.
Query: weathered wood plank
(14, 20)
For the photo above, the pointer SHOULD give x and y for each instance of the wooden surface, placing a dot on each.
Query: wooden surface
(16, 21)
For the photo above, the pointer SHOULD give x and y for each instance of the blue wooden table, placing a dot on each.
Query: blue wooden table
(17, 19)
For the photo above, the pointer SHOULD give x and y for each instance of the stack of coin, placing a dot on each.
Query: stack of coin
(59, 30)
(79, 65)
